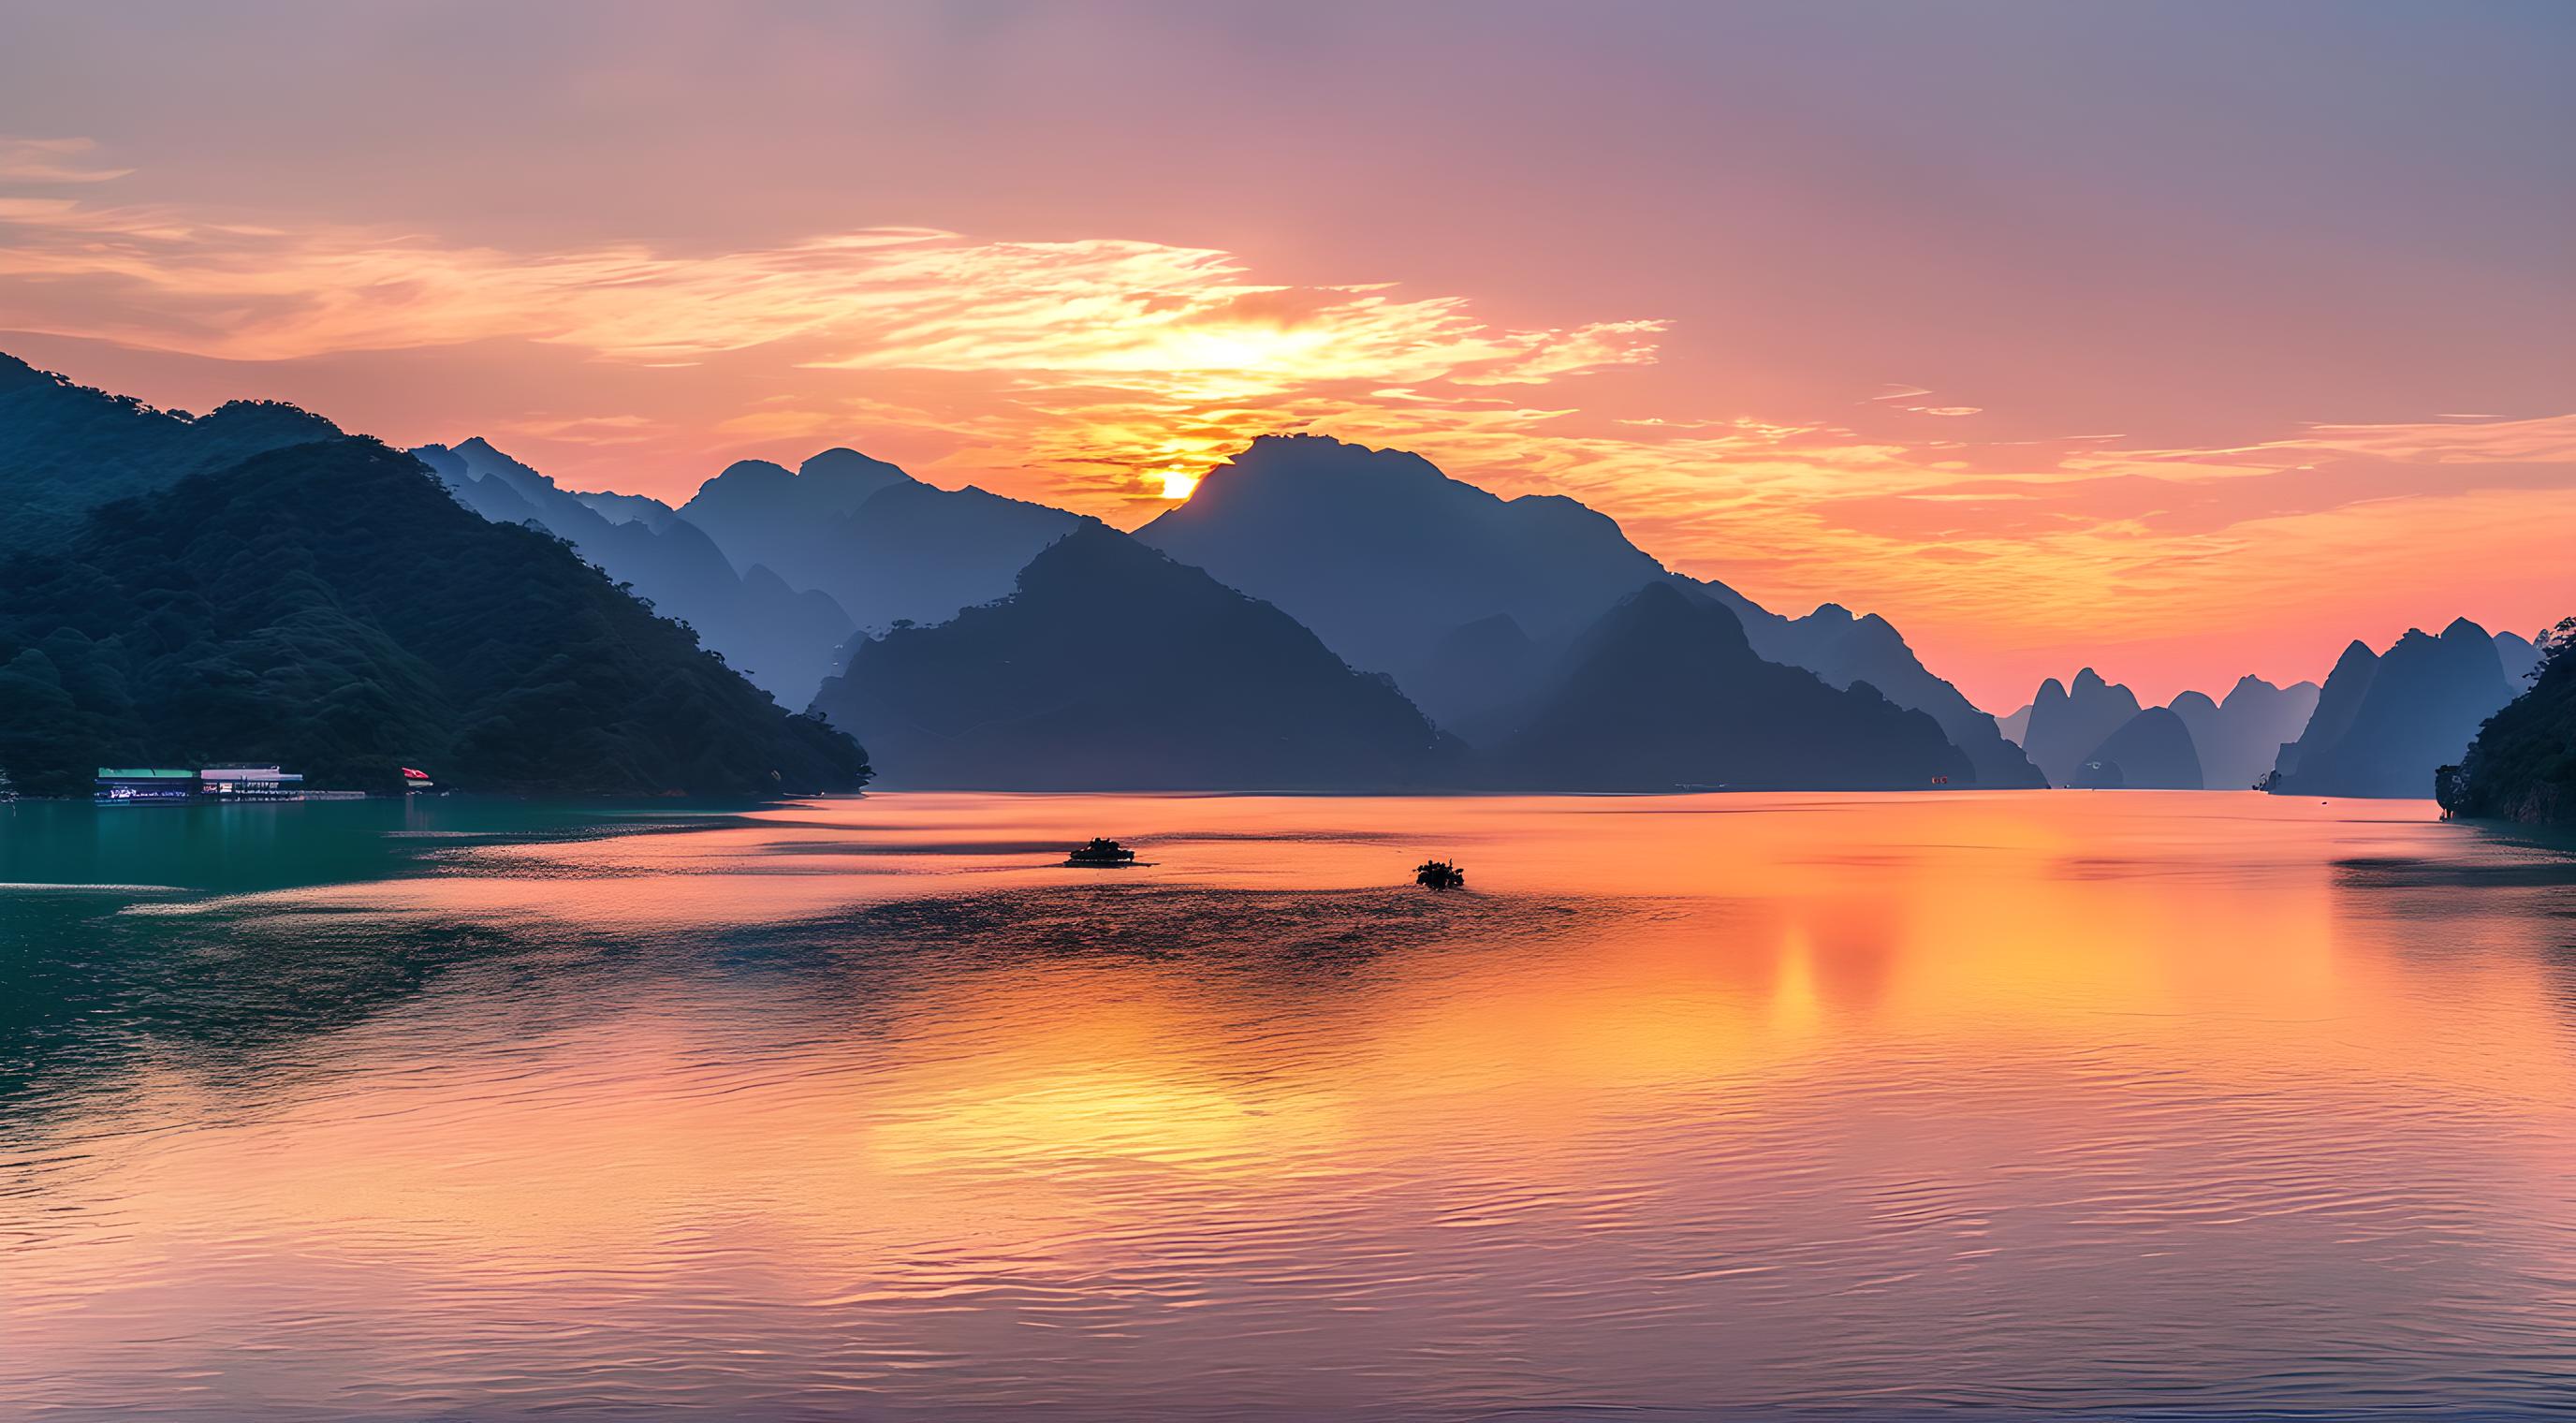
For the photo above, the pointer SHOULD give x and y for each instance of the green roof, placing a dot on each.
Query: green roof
(111, 773)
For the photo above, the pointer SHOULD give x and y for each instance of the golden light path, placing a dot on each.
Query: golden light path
(1683, 1073)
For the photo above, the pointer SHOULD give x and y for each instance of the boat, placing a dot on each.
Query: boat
(1440, 875)
(1101, 854)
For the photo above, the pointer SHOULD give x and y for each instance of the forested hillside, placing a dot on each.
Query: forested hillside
(328, 606)
(2523, 764)
(66, 449)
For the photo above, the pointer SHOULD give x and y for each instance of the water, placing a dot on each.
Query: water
(1998, 1106)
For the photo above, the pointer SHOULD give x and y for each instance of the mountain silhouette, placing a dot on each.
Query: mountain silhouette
(1481, 670)
(2522, 766)
(1665, 691)
(2240, 739)
(1402, 568)
(2067, 726)
(329, 606)
(66, 449)
(1112, 667)
(782, 639)
(2384, 724)
(2519, 657)
(1384, 556)
(761, 512)
(1843, 649)
(2016, 726)
(2338, 702)
(2151, 751)
(884, 546)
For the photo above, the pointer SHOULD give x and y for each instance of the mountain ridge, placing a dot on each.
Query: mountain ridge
(1093, 674)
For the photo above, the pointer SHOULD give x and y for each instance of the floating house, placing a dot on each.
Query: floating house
(416, 780)
(120, 785)
(249, 783)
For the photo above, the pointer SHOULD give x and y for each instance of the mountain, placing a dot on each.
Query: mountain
(782, 639)
(2151, 751)
(2240, 738)
(1384, 556)
(2522, 766)
(1469, 599)
(1665, 690)
(619, 508)
(1111, 667)
(1844, 649)
(330, 607)
(2520, 657)
(761, 512)
(2383, 725)
(2066, 727)
(2016, 727)
(66, 449)
(1480, 671)
(884, 546)
(2337, 703)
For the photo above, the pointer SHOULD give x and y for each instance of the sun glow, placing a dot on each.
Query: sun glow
(1110, 376)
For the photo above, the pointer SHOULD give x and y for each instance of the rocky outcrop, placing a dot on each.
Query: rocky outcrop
(2152, 751)
(1665, 693)
(2522, 766)
(2382, 726)
(2068, 725)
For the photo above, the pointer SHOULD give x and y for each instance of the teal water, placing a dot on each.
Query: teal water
(1978, 1106)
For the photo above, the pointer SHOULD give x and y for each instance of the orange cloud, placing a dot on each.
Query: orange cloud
(1109, 374)
(1181, 333)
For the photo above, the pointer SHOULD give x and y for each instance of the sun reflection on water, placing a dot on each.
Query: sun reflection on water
(1758, 1100)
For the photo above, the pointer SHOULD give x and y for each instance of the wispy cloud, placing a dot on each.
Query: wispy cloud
(1109, 374)
(1185, 330)
(52, 160)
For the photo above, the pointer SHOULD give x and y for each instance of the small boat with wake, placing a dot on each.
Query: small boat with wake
(1101, 855)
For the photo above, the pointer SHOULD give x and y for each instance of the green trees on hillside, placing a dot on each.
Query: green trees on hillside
(328, 606)
(2523, 764)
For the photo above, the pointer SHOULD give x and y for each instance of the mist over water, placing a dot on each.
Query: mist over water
(2117, 1105)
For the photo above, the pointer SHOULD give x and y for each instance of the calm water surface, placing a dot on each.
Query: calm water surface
(2027, 1105)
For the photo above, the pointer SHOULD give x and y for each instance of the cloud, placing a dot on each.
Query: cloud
(1176, 321)
(51, 160)
(1107, 374)
(1179, 343)
(1902, 397)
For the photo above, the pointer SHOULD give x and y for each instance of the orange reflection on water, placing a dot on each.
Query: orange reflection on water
(1687, 1101)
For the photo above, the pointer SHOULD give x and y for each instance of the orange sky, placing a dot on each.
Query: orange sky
(2184, 344)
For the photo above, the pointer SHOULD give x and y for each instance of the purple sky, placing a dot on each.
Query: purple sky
(2186, 339)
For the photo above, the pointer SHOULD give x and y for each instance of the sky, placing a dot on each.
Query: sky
(2183, 341)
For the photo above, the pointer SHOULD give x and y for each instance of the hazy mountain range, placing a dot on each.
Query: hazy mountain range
(1665, 689)
(1470, 608)
(325, 603)
(1108, 667)
(781, 638)
(2385, 722)
(2378, 727)
(1471, 601)
(1319, 615)
(886, 547)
